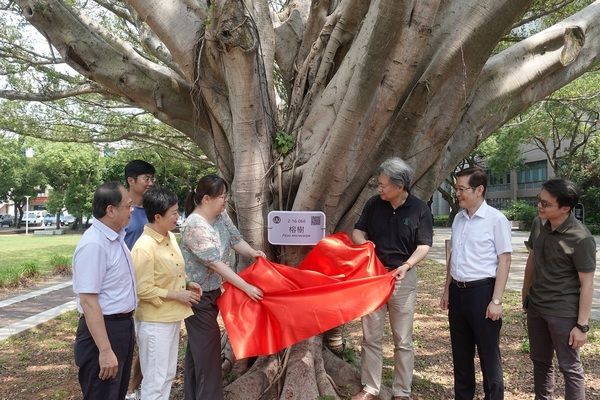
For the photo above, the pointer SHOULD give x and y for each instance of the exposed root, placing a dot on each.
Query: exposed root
(253, 383)
(282, 369)
(345, 375)
(300, 380)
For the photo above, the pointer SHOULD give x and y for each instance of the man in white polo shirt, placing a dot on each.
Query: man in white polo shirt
(104, 282)
(475, 281)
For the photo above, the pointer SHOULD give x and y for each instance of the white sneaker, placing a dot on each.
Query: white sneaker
(133, 396)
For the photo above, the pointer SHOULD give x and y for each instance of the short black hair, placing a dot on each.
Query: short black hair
(157, 201)
(107, 194)
(566, 193)
(135, 168)
(477, 177)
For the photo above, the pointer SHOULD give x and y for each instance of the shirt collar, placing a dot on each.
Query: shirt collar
(108, 232)
(481, 212)
(407, 202)
(154, 235)
(562, 228)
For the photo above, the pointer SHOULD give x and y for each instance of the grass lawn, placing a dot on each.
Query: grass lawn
(39, 364)
(31, 255)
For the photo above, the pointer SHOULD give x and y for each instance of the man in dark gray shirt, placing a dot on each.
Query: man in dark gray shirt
(557, 290)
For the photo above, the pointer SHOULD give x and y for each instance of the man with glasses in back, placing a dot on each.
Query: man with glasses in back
(557, 290)
(475, 281)
(139, 175)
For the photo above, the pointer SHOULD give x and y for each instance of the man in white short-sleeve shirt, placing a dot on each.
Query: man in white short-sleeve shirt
(104, 284)
(475, 281)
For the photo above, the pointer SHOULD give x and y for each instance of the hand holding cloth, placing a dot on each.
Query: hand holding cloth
(337, 282)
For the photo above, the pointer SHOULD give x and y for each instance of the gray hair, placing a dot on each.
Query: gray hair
(399, 172)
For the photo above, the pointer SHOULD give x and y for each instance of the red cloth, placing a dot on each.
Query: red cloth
(337, 282)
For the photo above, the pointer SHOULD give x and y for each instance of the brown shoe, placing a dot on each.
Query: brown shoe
(362, 395)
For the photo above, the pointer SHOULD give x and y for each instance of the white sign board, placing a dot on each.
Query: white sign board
(295, 227)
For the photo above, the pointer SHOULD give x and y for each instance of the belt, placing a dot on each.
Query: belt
(113, 317)
(472, 284)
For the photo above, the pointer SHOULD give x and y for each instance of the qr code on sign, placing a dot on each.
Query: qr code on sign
(315, 220)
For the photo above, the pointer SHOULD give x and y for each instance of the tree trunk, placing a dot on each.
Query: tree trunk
(359, 80)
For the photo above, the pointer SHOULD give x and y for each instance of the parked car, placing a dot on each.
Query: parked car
(180, 220)
(49, 219)
(7, 220)
(33, 218)
(67, 219)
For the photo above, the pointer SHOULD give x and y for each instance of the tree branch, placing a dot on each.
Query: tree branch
(523, 74)
(51, 96)
(178, 26)
(542, 13)
(116, 66)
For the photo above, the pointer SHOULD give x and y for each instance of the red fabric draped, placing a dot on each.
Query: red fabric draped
(337, 282)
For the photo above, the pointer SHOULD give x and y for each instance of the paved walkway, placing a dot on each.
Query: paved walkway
(517, 267)
(29, 307)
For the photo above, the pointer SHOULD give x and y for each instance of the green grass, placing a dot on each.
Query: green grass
(27, 256)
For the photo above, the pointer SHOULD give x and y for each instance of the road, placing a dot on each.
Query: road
(32, 306)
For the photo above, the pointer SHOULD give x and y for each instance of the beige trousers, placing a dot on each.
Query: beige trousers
(401, 308)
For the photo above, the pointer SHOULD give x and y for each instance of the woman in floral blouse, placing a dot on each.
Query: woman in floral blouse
(207, 237)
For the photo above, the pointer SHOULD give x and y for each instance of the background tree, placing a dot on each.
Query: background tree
(55, 204)
(73, 171)
(21, 175)
(359, 80)
(564, 127)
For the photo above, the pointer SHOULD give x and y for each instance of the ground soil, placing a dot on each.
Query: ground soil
(39, 363)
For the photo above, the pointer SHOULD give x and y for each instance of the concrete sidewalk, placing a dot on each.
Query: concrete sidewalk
(519, 257)
(25, 309)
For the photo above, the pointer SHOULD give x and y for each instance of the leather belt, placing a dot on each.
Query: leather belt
(472, 284)
(113, 317)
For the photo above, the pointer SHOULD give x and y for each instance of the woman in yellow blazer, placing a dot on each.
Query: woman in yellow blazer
(164, 297)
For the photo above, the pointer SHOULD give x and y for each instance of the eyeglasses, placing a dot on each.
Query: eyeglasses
(147, 178)
(223, 196)
(461, 189)
(544, 203)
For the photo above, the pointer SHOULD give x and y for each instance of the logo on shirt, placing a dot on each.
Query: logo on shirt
(406, 221)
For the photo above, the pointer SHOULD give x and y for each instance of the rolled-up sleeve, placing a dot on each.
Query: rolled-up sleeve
(147, 290)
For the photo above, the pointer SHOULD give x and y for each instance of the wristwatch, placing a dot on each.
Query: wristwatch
(583, 328)
(497, 301)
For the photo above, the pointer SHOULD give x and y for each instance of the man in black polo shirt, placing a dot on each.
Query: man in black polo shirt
(557, 290)
(400, 226)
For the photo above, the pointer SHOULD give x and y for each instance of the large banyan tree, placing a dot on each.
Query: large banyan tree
(297, 102)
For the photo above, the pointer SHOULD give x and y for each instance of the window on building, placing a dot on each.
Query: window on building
(532, 174)
(498, 182)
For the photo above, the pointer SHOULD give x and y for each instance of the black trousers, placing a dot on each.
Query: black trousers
(202, 373)
(121, 336)
(469, 329)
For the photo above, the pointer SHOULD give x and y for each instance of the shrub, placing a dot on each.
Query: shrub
(594, 228)
(61, 264)
(440, 220)
(521, 211)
